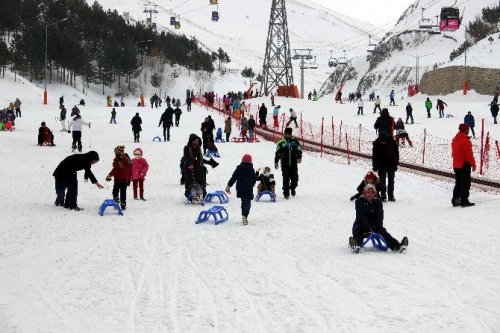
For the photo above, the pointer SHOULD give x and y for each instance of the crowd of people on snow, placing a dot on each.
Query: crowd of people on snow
(376, 187)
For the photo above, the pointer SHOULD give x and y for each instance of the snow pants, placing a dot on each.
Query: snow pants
(136, 136)
(166, 133)
(276, 123)
(77, 140)
(389, 188)
(290, 175)
(409, 115)
(377, 106)
(294, 119)
(138, 183)
(462, 184)
(66, 192)
(120, 187)
(246, 204)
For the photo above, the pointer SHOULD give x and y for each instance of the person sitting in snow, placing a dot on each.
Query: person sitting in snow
(45, 136)
(370, 219)
(370, 178)
(266, 180)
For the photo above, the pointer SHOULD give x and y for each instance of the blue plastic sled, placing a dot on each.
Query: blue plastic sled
(266, 192)
(219, 214)
(378, 241)
(157, 139)
(221, 195)
(110, 203)
(212, 153)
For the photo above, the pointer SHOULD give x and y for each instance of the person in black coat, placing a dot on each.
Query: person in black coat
(494, 111)
(194, 165)
(289, 151)
(167, 120)
(409, 113)
(369, 219)
(385, 160)
(177, 113)
(263, 116)
(207, 132)
(66, 182)
(245, 179)
(136, 123)
(384, 123)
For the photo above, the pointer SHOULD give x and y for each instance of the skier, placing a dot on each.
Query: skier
(140, 168)
(370, 178)
(76, 125)
(62, 119)
(494, 111)
(369, 219)
(469, 120)
(463, 163)
(440, 106)
(391, 97)
(177, 112)
(289, 151)
(293, 117)
(66, 182)
(113, 116)
(122, 172)
(385, 160)
(227, 128)
(360, 106)
(428, 106)
(244, 177)
(167, 121)
(377, 105)
(136, 123)
(409, 113)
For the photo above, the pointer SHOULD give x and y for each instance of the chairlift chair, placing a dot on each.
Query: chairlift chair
(372, 48)
(215, 16)
(177, 25)
(449, 18)
(173, 20)
(313, 65)
(425, 23)
(214, 2)
(333, 62)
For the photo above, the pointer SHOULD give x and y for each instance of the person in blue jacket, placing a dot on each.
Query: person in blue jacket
(391, 97)
(469, 120)
(244, 177)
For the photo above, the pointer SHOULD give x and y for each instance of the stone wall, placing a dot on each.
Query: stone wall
(447, 80)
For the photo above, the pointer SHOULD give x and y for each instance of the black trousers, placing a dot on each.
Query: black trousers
(428, 113)
(389, 188)
(136, 136)
(391, 241)
(290, 175)
(66, 192)
(246, 204)
(177, 118)
(227, 136)
(462, 183)
(294, 119)
(18, 112)
(377, 107)
(120, 187)
(166, 133)
(77, 140)
(409, 115)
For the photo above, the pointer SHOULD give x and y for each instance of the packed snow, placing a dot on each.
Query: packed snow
(289, 270)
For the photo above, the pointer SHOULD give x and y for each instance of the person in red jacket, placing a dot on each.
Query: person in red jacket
(463, 162)
(122, 172)
(140, 168)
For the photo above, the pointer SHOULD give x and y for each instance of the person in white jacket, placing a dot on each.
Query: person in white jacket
(360, 106)
(76, 125)
(293, 117)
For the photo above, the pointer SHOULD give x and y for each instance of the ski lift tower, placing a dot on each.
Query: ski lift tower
(150, 11)
(277, 68)
(302, 54)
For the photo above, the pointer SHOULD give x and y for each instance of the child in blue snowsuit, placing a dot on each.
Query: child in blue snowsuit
(244, 177)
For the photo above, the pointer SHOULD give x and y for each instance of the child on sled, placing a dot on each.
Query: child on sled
(266, 180)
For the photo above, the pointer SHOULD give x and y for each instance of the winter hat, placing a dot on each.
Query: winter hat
(92, 155)
(119, 150)
(288, 130)
(370, 175)
(463, 128)
(247, 158)
(370, 187)
(139, 150)
(43, 123)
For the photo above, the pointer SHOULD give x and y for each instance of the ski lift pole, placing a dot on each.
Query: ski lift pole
(481, 153)
(423, 149)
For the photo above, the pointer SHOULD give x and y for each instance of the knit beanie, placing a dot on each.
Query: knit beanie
(139, 150)
(370, 187)
(288, 130)
(463, 128)
(247, 158)
(119, 150)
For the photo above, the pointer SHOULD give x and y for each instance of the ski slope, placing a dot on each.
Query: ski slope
(289, 270)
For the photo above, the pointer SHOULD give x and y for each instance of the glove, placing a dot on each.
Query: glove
(89, 124)
(228, 190)
(299, 161)
(353, 198)
(69, 131)
(276, 166)
(108, 178)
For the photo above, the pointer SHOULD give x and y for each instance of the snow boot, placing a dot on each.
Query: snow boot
(355, 248)
(404, 244)
(244, 220)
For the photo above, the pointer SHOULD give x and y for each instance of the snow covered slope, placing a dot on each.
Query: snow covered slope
(243, 26)
(289, 270)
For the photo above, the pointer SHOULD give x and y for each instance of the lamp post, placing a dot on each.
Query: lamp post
(45, 97)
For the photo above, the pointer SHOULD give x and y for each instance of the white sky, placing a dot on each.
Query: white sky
(376, 12)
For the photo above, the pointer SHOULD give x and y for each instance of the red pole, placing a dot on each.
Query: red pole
(481, 152)
(302, 133)
(333, 134)
(340, 133)
(348, 151)
(498, 148)
(359, 138)
(423, 150)
(322, 131)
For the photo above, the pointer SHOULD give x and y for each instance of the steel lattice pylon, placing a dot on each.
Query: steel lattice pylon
(277, 69)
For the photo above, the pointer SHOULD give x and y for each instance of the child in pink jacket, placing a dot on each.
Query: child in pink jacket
(139, 169)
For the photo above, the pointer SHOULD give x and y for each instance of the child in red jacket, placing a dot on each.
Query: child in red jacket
(122, 172)
(140, 168)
